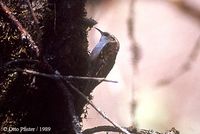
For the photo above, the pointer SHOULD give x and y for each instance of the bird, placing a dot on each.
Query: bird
(102, 58)
(101, 61)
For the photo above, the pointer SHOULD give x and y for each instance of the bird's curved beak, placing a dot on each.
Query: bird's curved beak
(99, 31)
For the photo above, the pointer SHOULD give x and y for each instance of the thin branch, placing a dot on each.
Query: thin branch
(185, 67)
(18, 61)
(98, 110)
(131, 129)
(107, 129)
(32, 12)
(187, 7)
(56, 76)
(99, 79)
(131, 20)
(131, 29)
(101, 129)
(70, 104)
(36, 21)
(136, 51)
(24, 34)
(68, 95)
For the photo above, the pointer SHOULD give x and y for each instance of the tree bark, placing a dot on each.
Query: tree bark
(58, 30)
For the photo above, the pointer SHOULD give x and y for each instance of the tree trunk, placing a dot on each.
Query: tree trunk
(46, 36)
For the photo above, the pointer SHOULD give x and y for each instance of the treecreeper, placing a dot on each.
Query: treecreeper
(101, 61)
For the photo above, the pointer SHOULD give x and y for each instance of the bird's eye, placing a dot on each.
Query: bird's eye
(112, 38)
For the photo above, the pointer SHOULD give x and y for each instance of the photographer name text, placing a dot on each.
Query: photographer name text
(26, 129)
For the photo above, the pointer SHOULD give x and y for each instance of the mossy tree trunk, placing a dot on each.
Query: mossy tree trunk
(59, 29)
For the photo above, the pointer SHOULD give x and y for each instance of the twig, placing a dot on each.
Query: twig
(131, 129)
(135, 46)
(17, 61)
(56, 76)
(107, 129)
(101, 129)
(70, 102)
(32, 12)
(187, 8)
(136, 51)
(98, 110)
(24, 34)
(36, 21)
(185, 67)
(131, 20)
